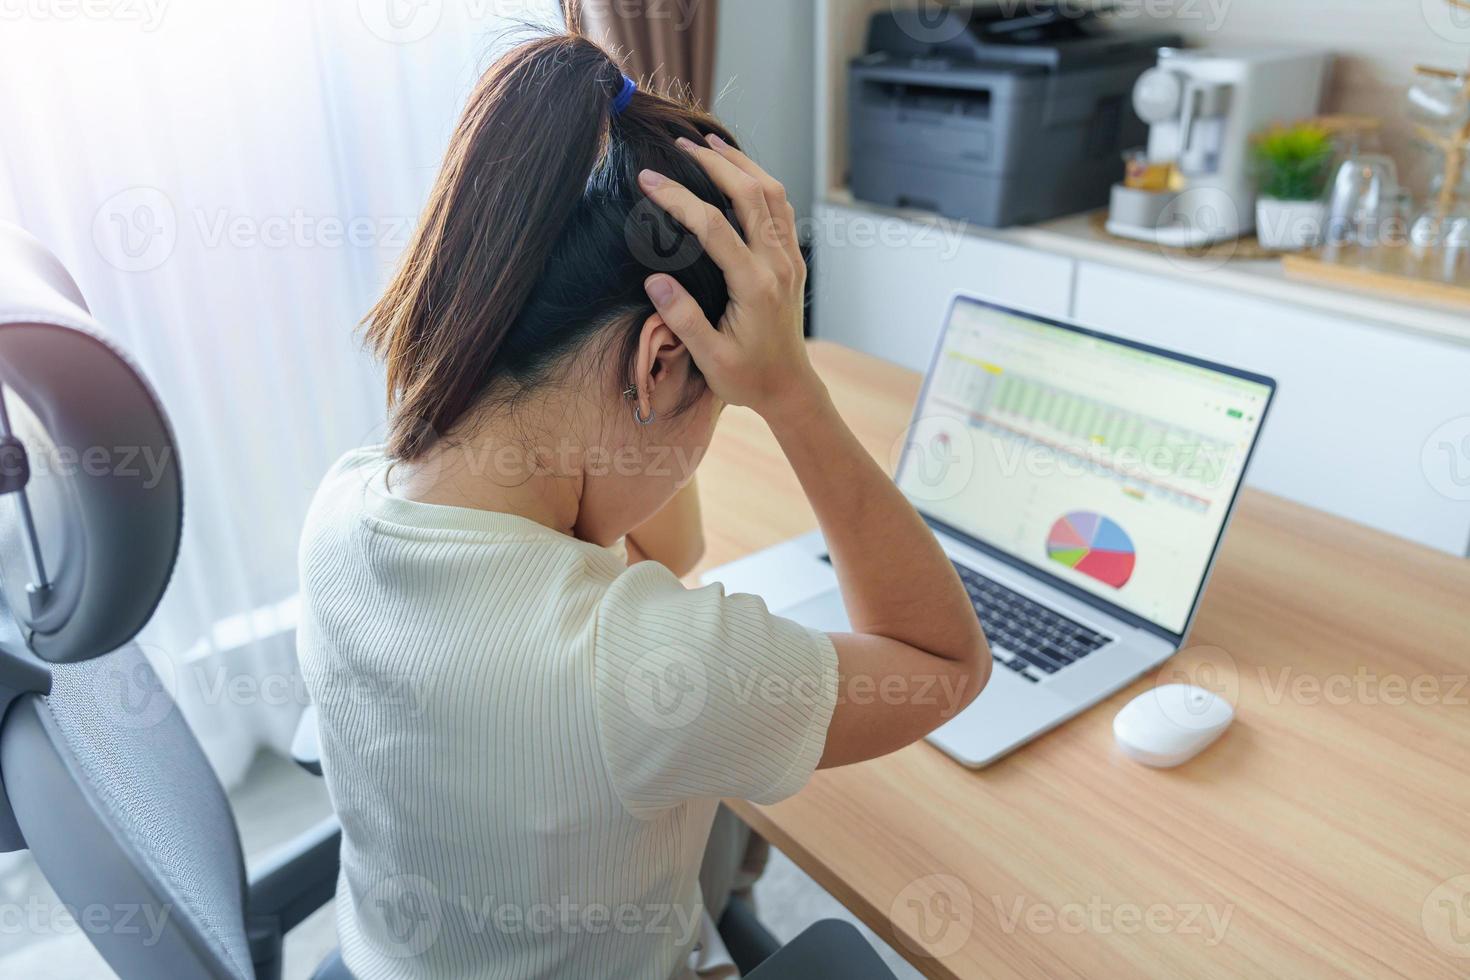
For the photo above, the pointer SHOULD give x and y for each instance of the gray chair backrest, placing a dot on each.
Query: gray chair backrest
(102, 779)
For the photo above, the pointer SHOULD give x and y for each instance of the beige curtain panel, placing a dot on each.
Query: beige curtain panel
(665, 43)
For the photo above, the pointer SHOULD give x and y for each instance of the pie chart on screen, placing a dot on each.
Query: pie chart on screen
(1094, 545)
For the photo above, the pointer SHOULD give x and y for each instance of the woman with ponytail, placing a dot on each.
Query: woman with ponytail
(527, 721)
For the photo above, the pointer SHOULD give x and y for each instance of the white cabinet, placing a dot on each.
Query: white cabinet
(1356, 404)
(883, 284)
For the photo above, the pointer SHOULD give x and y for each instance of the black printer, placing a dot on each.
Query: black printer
(1000, 114)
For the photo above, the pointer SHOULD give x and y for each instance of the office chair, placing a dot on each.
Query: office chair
(100, 777)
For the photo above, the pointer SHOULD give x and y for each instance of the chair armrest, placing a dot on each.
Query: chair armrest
(829, 949)
(306, 747)
(297, 878)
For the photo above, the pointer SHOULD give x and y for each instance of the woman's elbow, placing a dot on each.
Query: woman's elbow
(979, 666)
(691, 553)
(681, 556)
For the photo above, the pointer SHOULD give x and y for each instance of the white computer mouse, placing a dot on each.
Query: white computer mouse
(1171, 724)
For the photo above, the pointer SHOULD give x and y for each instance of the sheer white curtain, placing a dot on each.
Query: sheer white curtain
(229, 183)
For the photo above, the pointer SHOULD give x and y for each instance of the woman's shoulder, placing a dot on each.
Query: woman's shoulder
(350, 472)
(344, 483)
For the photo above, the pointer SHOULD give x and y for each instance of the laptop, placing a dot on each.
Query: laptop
(1081, 484)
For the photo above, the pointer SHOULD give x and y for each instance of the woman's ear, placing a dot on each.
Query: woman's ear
(661, 354)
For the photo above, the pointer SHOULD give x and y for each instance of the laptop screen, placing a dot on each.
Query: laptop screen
(1108, 466)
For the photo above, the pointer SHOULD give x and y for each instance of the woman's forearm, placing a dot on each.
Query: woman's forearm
(914, 626)
(896, 581)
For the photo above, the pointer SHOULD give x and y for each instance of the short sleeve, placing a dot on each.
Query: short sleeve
(703, 695)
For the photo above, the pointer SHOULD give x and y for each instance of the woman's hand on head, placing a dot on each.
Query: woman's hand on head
(757, 357)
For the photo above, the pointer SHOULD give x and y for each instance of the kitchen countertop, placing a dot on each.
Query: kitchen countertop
(1077, 237)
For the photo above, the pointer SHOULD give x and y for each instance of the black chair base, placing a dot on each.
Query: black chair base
(828, 950)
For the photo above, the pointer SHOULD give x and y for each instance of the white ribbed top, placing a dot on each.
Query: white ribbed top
(526, 740)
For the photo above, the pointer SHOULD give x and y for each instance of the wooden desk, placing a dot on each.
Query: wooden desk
(1326, 834)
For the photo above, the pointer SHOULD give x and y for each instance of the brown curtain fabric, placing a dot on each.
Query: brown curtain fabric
(669, 43)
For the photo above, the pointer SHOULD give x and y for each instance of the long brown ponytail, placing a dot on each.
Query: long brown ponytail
(530, 239)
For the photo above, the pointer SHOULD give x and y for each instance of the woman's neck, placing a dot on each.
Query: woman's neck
(509, 465)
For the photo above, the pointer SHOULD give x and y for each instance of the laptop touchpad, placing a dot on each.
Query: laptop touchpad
(822, 612)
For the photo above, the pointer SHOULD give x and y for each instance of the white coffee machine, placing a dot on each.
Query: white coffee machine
(1202, 108)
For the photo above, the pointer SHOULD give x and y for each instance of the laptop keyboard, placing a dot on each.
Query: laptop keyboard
(1032, 640)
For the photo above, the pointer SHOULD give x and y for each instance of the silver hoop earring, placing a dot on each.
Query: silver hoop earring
(631, 392)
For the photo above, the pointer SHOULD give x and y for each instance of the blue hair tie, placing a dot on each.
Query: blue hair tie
(622, 100)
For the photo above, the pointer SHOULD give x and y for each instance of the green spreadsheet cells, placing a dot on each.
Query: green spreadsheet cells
(1159, 447)
(991, 322)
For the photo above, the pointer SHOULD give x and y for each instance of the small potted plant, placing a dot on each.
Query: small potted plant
(1292, 164)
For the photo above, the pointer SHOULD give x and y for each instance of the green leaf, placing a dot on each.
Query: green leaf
(1292, 161)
